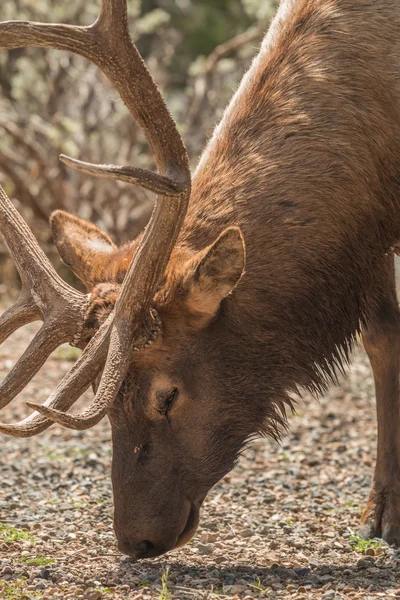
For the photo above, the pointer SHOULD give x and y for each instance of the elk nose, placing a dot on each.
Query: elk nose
(145, 549)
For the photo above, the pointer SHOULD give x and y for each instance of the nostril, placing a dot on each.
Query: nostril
(144, 548)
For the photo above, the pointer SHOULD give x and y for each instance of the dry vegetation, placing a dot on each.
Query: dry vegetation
(53, 102)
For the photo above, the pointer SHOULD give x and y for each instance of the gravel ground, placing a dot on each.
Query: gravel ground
(281, 525)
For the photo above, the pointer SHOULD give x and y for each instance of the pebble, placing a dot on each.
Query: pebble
(313, 562)
(45, 574)
(93, 595)
(287, 530)
(7, 571)
(238, 589)
(208, 537)
(245, 533)
(40, 585)
(220, 559)
(204, 549)
(329, 595)
(362, 563)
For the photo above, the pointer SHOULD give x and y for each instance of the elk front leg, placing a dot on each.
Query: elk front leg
(381, 338)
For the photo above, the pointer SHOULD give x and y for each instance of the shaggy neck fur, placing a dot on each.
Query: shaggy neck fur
(306, 161)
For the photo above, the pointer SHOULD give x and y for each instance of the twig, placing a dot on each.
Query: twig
(204, 81)
(21, 189)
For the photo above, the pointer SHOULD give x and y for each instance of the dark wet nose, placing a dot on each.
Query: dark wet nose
(145, 549)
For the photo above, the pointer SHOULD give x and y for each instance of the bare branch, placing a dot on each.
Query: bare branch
(204, 82)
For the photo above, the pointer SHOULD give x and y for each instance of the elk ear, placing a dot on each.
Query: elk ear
(83, 247)
(213, 273)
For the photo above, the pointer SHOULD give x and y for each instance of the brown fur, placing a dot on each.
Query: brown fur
(306, 162)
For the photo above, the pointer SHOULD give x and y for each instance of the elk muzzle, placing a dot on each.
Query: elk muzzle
(142, 537)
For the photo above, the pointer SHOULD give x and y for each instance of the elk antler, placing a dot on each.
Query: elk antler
(106, 43)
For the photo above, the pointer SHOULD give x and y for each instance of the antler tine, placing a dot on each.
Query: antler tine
(107, 43)
(19, 314)
(159, 184)
(44, 296)
(72, 386)
(117, 365)
(43, 344)
(41, 285)
(43, 291)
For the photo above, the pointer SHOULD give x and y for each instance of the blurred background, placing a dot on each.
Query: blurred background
(53, 102)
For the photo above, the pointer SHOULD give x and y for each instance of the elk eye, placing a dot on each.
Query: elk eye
(165, 400)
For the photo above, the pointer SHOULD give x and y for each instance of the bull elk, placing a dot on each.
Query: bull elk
(190, 352)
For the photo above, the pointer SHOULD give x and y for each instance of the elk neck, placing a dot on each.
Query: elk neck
(306, 161)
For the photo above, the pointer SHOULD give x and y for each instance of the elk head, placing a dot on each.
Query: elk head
(149, 327)
(172, 438)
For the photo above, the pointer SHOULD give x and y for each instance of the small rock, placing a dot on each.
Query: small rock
(329, 595)
(45, 574)
(204, 549)
(274, 545)
(219, 545)
(238, 589)
(213, 573)
(246, 533)
(112, 583)
(93, 595)
(283, 572)
(301, 589)
(220, 559)
(208, 537)
(287, 530)
(313, 562)
(370, 560)
(362, 563)
(8, 571)
(268, 499)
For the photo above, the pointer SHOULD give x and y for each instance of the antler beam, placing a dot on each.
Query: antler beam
(108, 44)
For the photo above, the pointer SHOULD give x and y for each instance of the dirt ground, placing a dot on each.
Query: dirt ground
(282, 525)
